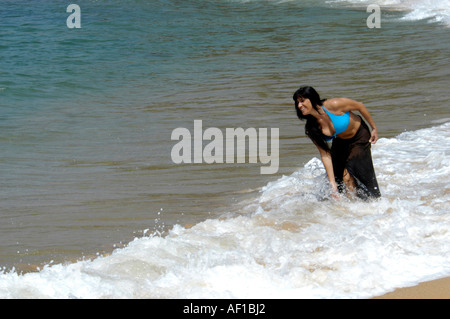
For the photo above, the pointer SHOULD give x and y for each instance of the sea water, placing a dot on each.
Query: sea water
(289, 242)
(89, 195)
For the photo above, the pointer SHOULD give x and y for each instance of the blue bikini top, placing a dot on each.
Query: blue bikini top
(340, 123)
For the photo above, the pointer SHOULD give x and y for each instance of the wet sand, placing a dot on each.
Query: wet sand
(435, 289)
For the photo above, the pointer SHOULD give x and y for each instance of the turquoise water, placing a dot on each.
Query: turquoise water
(86, 115)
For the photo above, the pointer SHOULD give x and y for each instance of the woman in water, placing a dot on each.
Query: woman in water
(348, 162)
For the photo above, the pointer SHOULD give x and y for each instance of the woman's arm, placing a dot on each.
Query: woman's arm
(365, 113)
(328, 164)
(345, 104)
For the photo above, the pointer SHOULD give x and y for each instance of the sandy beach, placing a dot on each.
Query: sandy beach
(435, 289)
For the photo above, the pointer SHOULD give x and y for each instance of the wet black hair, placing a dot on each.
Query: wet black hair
(312, 128)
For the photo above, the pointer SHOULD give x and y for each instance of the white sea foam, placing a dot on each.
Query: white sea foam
(290, 242)
(435, 10)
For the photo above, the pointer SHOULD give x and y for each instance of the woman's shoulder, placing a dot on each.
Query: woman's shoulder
(337, 104)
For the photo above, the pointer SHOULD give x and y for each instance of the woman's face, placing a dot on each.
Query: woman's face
(304, 105)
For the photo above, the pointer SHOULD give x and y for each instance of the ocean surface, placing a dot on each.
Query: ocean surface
(92, 204)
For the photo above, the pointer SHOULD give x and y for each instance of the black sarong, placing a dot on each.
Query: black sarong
(354, 155)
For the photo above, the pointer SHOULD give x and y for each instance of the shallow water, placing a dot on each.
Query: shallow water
(291, 241)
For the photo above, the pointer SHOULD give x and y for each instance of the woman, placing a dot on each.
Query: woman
(348, 162)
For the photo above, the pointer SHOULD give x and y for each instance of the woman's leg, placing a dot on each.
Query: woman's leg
(349, 181)
(360, 167)
(353, 167)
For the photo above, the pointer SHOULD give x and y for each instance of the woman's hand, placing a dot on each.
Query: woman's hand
(335, 192)
(336, 195)
(373, 136)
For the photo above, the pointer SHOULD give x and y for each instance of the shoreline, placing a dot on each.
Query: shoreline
(434, 289)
